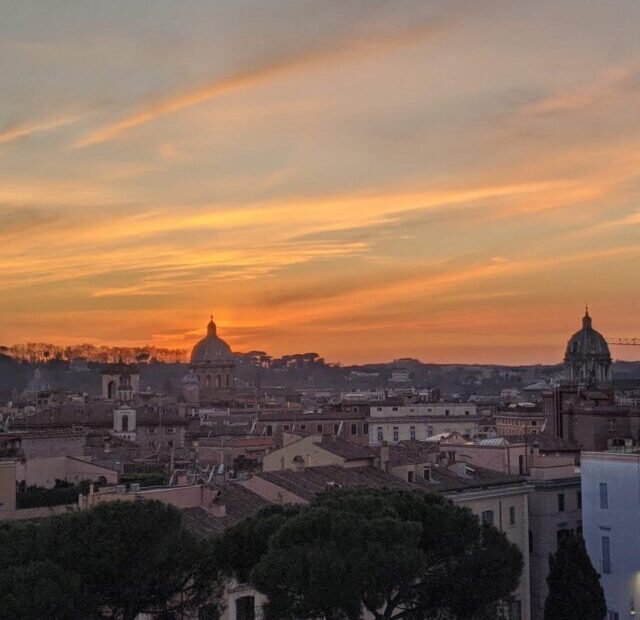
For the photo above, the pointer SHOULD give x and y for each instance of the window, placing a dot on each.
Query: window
(612, 425)
(466, 412)
(604, 496)
(560, 502)
(530, 541)
(379, 408)
(379, 433)
(521, 464)
(303, 427)
(487, 517)
(245, 608)
(336, 429)
(410, 476)
(533, 423)
(394, 409)
(354, 429)
(319, 428)
(396, 434)
(365, 429)
(613, 615)
(452, 456)
(562, 532)
(446, 412)
(606, 555)
(269, 430)
(429, 431)
(412, 433)
(426, 474)
(512, 515)
(579, 500)
(286, 427)
(512, 610)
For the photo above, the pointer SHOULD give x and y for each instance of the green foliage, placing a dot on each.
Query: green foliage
(38, 590)
(62, 493)
(242, 546)
(574, 584)
(117, 560)
(397, 554)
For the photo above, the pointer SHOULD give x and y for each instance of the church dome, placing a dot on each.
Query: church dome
(587, 341)
(211, 348)
(38, 385)
(587, 358)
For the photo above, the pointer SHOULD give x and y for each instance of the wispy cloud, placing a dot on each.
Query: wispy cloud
(24, 130)
(582, 95)
(342, 50)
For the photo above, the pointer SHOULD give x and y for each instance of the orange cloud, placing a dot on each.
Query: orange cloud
(581, 96)
(261, 72)
(9, 134)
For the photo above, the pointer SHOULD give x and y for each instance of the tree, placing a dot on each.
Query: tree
(399, 555)
(118, 560)
(574, 584)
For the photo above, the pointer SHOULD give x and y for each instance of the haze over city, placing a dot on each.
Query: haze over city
(365, 179)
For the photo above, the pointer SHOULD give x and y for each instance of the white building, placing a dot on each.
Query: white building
(124, 422)
(424, 409)
(417, 422)
(611, 526)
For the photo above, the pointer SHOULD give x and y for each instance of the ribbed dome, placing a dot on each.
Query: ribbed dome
(211, 348)
(587, 342)
(38, 384)
(588, 360)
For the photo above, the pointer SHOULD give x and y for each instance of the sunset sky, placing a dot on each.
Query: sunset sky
(367, 179)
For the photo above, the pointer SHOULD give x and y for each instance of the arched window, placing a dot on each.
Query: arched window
(218, 381)
(111, 390)
(228, 379)
(125, 423)
(208, 381)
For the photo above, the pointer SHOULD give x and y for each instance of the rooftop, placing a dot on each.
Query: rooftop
(307, 483)
(347, 450)
(239, 503)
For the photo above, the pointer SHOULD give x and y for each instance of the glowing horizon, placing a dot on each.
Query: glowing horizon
(367, 179)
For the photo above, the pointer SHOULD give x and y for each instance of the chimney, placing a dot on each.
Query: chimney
(384, 456)
(218, 510)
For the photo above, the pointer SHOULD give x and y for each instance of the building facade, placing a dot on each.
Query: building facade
(611, 527)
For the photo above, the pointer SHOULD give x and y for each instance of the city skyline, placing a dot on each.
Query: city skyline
(368, 180)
